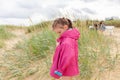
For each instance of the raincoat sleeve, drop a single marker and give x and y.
(65, 57)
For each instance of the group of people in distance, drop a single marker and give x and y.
(99, 26)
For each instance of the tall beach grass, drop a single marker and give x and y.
(33, 56)
(4, 35)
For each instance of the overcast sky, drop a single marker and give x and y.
(18, 12)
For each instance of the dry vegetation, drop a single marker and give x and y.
(33, 47)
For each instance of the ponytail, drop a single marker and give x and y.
(70, 23)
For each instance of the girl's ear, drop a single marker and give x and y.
(65, 27)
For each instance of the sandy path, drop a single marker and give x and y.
(115, 50)
(115, 75)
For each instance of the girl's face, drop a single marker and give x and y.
(59, 29)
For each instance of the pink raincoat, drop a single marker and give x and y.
(65, 59)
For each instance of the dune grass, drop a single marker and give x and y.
(115, 23)
(39, 44)
(33, 56)
(1, 43)
(94, 54)
(4, 35)
(38, 27)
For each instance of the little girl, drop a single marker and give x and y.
(65, 60)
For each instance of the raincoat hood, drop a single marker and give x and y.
(71, 33)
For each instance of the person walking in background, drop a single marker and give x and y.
(96, 26)
(102, 26)
(65, 60)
